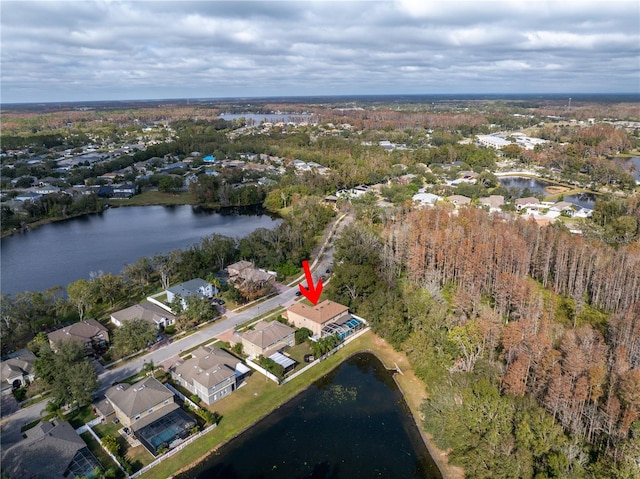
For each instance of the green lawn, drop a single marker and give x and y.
(259, 397)
(138, 456)
(106, 429)
(81, 416)
(148, 198)
(297, 353)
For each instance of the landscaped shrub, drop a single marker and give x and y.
(302, 334)
(270, 365)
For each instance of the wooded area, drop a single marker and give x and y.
(528, 338)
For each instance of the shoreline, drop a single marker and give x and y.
(384, 353)
(45, 221)
(109, 205)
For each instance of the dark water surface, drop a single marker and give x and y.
(353, 423)
(63, 252)
(535, 185)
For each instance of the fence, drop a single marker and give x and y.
(325, 356)
(112, 456)
(172, 452)
(89, 425)
(262, 370)
(182, 396)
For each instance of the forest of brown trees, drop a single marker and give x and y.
(510, 324)
(589, 383)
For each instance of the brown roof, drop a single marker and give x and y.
(82, 331)
(148, 311)
(265, 334)
(320, 313)
(137, 398)
(240, 265)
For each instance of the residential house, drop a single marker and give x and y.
(459, 200)
(124, 191)
(267, 338)
(49, 452)
(210, 373)
(244, 272)
(494, 202)
(236, 268)
(133, 402)
(426, 199)
(109, 177)
(149, 410)
(17, 370)
(195, 287)
(528, 202)
(90, 333)
(560, 207)
(28, 196)
(46, 189)
(315, 318)
(159, 317)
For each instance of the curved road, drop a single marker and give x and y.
(10, 425)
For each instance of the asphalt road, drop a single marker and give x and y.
(10, 425)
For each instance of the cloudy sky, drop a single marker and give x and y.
(109, 50)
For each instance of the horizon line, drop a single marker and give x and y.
(308, 96)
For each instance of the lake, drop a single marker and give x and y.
(62, 252)
(352, 423)
(535, 185)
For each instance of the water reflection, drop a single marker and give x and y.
(353, 423)
(62, 252)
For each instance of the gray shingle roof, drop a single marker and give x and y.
(45, 456)
(139, 397)
(207, 366)
(148, 311)
(19, 365)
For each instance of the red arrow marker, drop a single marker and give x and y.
(312, 293)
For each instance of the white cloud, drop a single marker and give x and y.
(55, 51)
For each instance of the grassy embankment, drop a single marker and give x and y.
(260, 396)
(155, 198)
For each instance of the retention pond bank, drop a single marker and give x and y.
(353, 422)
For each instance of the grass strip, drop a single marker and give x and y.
(248, 405)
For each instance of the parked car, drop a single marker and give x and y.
(328, 271)
(298, 293)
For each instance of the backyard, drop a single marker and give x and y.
(247, 405)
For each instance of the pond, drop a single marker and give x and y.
(535, 185)
(352, 423)
(62, 252)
